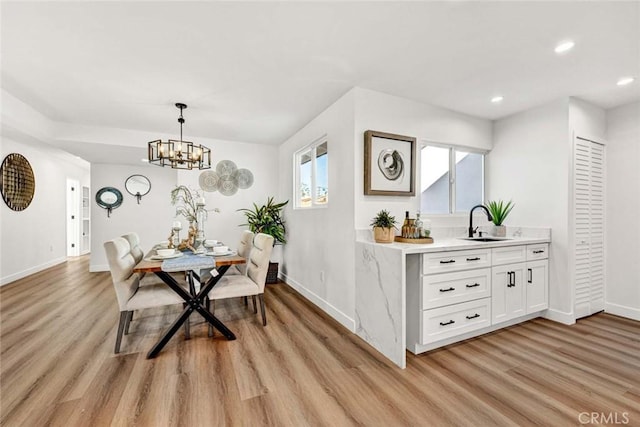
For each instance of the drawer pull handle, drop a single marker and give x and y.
(473, 317)
(448, 290)
(473, 286)
(530, 271)
(450, 322)
(474, 259)
(448, 262)
(540, 251)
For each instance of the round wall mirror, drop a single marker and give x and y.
(109, 198)
(138, 186)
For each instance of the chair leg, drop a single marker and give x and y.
(124, 315)
(264, 313)
(255, 306)
(128, 322)
(246, 301)
(212, 311)
(187, 331)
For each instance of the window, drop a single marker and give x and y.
(452, 180)
(312, 177)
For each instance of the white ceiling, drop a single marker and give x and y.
(259, 71)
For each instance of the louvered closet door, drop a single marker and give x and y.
(588, 230)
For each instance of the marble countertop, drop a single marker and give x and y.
(457, 244)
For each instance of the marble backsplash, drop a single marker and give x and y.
(366, 235)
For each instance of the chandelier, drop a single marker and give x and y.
(179, 154)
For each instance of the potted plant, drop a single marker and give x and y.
(268, 219)
(499, 211)
(383, 225)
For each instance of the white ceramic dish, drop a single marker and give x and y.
(165, 252)
(159, 257)
(221, 253)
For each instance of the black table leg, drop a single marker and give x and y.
(194, 303)
(184, 316)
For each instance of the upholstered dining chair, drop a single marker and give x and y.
(127, 286)
(251, 284)
(244, 248)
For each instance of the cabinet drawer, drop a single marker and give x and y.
(442, 262)
(451, 288)
(540, 251)
(509, 254)
(446, 322)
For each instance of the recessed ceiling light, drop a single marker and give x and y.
(625, 81)
(565, 46)
(497, 99)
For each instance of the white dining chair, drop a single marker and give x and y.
(127, 286)
(244, 248)
(251, 284)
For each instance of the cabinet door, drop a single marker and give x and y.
(508, 294)
(537, 286)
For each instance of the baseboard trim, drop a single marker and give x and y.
(325, 306)
(622, 311)
(560, 316)
(95, 268)
(21, 274)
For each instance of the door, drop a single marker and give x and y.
(73, 220)
(588, 226)
(508, 293)
(537, 288)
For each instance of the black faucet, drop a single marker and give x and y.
(471, 217)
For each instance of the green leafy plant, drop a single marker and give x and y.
(499, 210)
(186, 200)
(384, 219)
(267, 219)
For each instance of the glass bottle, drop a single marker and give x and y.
(405, 226)
(419, 228)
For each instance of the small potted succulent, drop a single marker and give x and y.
(383, 227)
(499, 211)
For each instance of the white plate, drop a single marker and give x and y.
(159, 257)
(221, 254)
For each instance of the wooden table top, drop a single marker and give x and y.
(153, 266)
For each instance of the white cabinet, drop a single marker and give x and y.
(521, 288)
(588, 227)
(508, 294)
(454, 295)
(537, 285)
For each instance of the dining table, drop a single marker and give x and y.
(194, 301)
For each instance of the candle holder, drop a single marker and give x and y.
(177, 226)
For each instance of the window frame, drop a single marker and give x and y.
(452, 172)
(310, 148)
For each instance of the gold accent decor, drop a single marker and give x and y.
(17, 182)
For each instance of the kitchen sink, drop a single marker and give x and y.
(485, 239)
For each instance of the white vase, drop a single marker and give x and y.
(499, 231)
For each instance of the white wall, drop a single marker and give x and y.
(327, 236)
(39, 231)
(151, 219)
(42, 226)
(387, 113)
(622, 207)
(322, 240)
(529, 164)
(262, 161)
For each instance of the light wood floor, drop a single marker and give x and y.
(304, 369)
